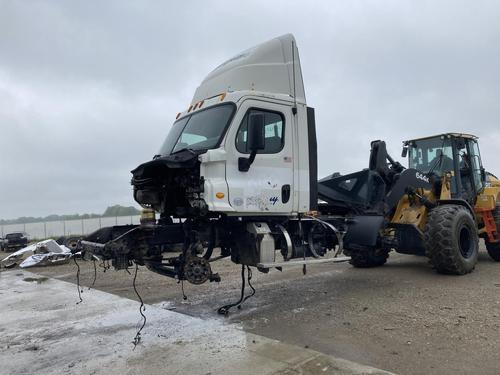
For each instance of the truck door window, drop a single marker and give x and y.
(274, 132)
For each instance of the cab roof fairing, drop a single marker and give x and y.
(268, 68)
(447, 135)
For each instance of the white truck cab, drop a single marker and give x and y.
(267, 81)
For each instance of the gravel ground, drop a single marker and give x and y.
(402, 317)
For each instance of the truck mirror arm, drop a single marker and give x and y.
(256, 140)
(245, 163)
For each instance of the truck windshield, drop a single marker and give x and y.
(200, 131)
(431, 155)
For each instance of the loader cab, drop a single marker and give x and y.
(454, 154)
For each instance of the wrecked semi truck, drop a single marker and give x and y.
(238, 173)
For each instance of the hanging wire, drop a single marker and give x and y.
(104, 266)
(95, 274)
(224, 310)
(142, 308)
(184, 297)
(249, 278)
(78, 280)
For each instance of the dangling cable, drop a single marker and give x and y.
(95, 275)
(224, 310)
(78, 281)
(142, 307)
(104, 266)
(249, 277)
(184, 297)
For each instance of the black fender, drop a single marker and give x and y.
(363, 230)
(409, 178)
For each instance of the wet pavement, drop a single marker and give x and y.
(402, 317)
(44, 331)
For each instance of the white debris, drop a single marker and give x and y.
(44, 253)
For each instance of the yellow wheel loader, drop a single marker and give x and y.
(439, 207)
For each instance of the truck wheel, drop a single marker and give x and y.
(451, 239)
(368, 258)
(493, 248)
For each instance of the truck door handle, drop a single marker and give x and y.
(285, 193)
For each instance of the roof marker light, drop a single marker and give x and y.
(222, 96)
(201, 103)
(178, 114)
(190, 108)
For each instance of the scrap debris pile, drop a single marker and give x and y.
(43, 253)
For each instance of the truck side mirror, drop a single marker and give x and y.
(256, 135)
(256, 140)
(404, 152)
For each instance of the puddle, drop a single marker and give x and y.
(38, 280)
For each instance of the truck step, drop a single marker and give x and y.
(302, 262)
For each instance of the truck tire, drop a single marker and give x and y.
(493, 248)
(368, 258)
(451, 239)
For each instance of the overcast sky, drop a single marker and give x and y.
(89, 89)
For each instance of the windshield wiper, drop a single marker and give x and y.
(183, 149)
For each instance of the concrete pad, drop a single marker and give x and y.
(44, 331)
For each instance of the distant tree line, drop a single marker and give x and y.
(111, 211)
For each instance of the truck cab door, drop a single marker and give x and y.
(268, 184)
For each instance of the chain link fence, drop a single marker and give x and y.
(46, 229)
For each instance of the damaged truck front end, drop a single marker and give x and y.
(171, 187)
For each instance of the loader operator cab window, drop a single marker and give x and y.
(474, 165)
(431, 155)
(274, 125)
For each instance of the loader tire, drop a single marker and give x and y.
(493, 248)
(451, 239)
(368, 258)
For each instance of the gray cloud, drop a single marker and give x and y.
(88, 90)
